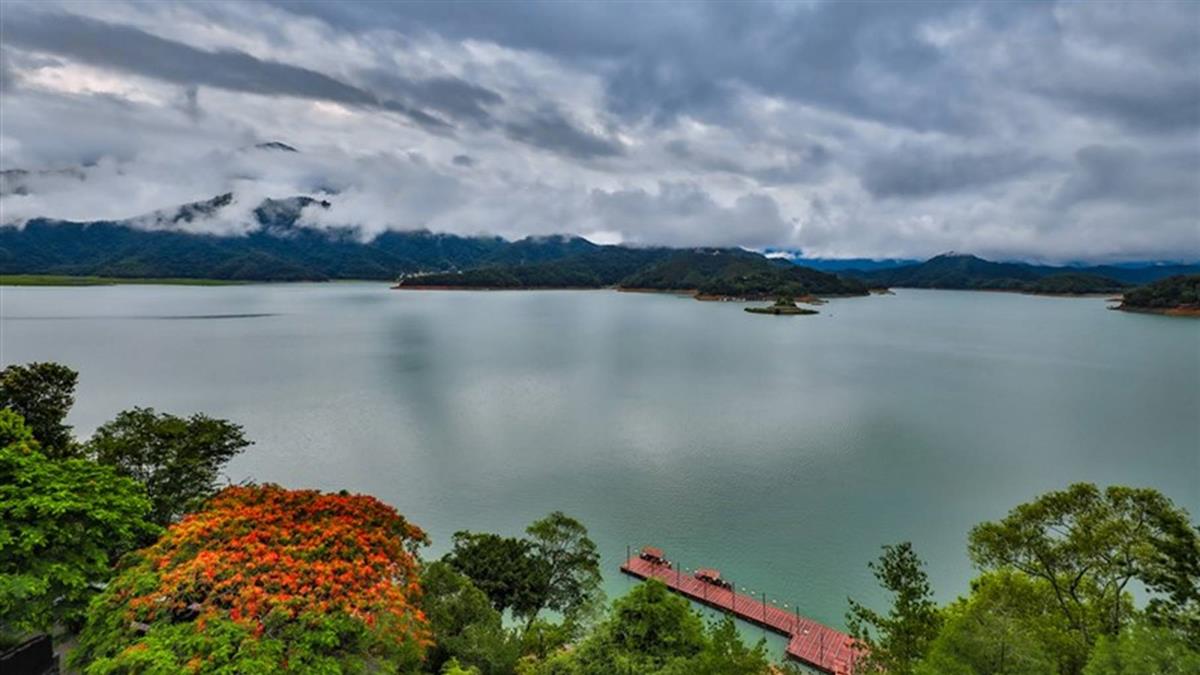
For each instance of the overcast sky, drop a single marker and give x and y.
(1042, 131)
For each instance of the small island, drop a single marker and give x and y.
(784, 306)
(1174, 296)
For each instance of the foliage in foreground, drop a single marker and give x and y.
(1054, 595)
(42, 394)
(266, 580)
(896, 642)
(652, 631)
(556, 568)
(177, 460)
(63, 523)
(466, 628)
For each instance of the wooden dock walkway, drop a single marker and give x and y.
(809, 642)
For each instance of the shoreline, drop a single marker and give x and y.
(71, 281)
(437, 287)
(1186, 312)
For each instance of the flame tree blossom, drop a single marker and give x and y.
(266, 580)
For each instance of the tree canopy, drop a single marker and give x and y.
(556, 568)
(42, 394)
(466, 628)
(652, 631)
(177, 460)
(266, 580)
(897, 641)
(63, 524)
(1089, 544)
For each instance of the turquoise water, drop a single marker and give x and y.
(782, 450)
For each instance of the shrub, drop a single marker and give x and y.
(266, 580)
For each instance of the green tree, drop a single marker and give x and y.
(63, 524)
(897, 641)
(1007, 626)
(1088, 545)
(177, 460)
(42, 393)
(724, 653)
(453, 667)
(652, 631)
(572, 585)
(1143, 649)
(467, 630)
(506, 569)
(13, 430)
(647, 629)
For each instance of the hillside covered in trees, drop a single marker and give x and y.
(968, 272)
(709, 273)
(738, 274)
(275, 246)
(1173, 295)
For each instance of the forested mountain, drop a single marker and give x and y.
(737, 273)
(599, 267)
(275, 248)
(956, 271)
(707, 272)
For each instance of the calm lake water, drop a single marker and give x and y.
(782, 450)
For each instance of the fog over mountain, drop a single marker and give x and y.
(1048, 132)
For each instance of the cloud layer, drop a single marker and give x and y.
(1050, 131)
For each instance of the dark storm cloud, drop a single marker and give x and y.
(129, 49)
(547, 128)
(8, 76)
(667, 58)
(1172, 106)
(1124, 174)
(923, 172)
(450, 96)
(463, 160)
(804, 164)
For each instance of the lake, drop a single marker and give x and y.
(782, 450)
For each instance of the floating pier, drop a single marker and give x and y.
(809, 642)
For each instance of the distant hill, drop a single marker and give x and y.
(837, 265)
(1174, 295)
(740, 274)
(708, 272)
(275, 247)
(278, 246)
(600, 267)
(968, 272)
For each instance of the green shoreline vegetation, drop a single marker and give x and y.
(1173, 296)
(130, 553)
(784, 306)
(67, 280)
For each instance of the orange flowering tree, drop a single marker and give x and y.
(266, 580)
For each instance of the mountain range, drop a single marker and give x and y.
(969, 272)
(278, 246)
